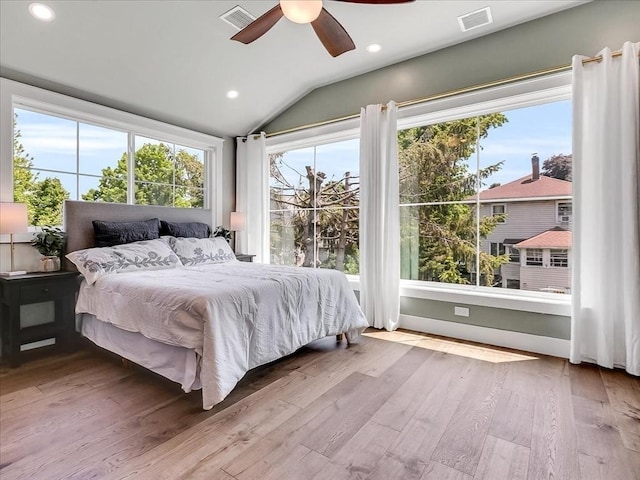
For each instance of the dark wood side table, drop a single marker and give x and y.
(244, 257)
(57, 287)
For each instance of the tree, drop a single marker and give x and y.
(156, 168)
(439, 240)
(558, 166)
(49, 196)
(318, 220)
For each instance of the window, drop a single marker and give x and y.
(512, 283)
(57, 158)
(314, 206)
(534, 257)
(564, 212)
(558, 258)
(457, 176)
(497, 249)
(514, 254)
(499, 210)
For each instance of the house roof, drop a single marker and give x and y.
(526, 188)
(556, 237)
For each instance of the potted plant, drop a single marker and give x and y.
(49, 242)
(220, 231)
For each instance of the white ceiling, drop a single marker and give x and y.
(172, 60)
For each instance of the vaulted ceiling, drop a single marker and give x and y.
(174, 60)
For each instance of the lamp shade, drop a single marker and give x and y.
(13, 217)
(237, 222)
(301, 11)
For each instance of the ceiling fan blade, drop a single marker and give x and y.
(332, 35)
(376, 2)
(259, 26)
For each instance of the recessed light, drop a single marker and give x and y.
(374, 47)
(232, 94)
(42, 12)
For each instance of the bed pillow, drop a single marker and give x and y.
(109, 234)
(188, 229)
(95, 263)
(198, 251)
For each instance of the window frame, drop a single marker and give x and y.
(549, 88)
(17, 95)
(561, 257)
(494, 214)
(558, 216)
(538, 260)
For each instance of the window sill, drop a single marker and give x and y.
(522, 300)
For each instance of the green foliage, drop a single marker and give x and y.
(558, 166)
(49, 241)
(433, 163)
(155, 166)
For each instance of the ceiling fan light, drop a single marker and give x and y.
(301, 11)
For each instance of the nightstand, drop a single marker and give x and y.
(244, 257)
(56, 291)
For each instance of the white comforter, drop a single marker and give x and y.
(235, 315)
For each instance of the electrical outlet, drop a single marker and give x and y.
(461, 311)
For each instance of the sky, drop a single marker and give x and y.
(51, 142)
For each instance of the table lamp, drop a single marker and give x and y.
(13, 219)
(236, 224)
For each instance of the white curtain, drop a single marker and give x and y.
(379, 216)
(252, 170)
(606, 151)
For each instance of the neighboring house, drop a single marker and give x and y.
(538, 212)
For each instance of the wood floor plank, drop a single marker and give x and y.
(623, 392)
(400, 407)
(586, 382)
(598, 437)
(391, 467)
(329, 436)
(438, 471)
(361, 455)
(554, 452)
(503, 459)
(461, 444)
(418, 440)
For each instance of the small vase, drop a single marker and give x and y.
(50, 264)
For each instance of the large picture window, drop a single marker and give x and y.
(478, 194)
(57, 158)
(314, 206)
(460, 181)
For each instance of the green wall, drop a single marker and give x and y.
(554, 326)
(537, 45)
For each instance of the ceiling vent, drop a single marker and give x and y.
(476, 19)
(237, 17)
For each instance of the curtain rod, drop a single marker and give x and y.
(450, 93)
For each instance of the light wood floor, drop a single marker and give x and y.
(398, 406)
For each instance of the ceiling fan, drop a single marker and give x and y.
(332, 35)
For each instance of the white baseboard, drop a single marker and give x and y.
(503, 338)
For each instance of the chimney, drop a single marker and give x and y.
(535, 167)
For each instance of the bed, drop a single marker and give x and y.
(200, 323)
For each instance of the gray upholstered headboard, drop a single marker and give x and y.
(78, 216)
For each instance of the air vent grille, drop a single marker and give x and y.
(237, 17)
(475, 19)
